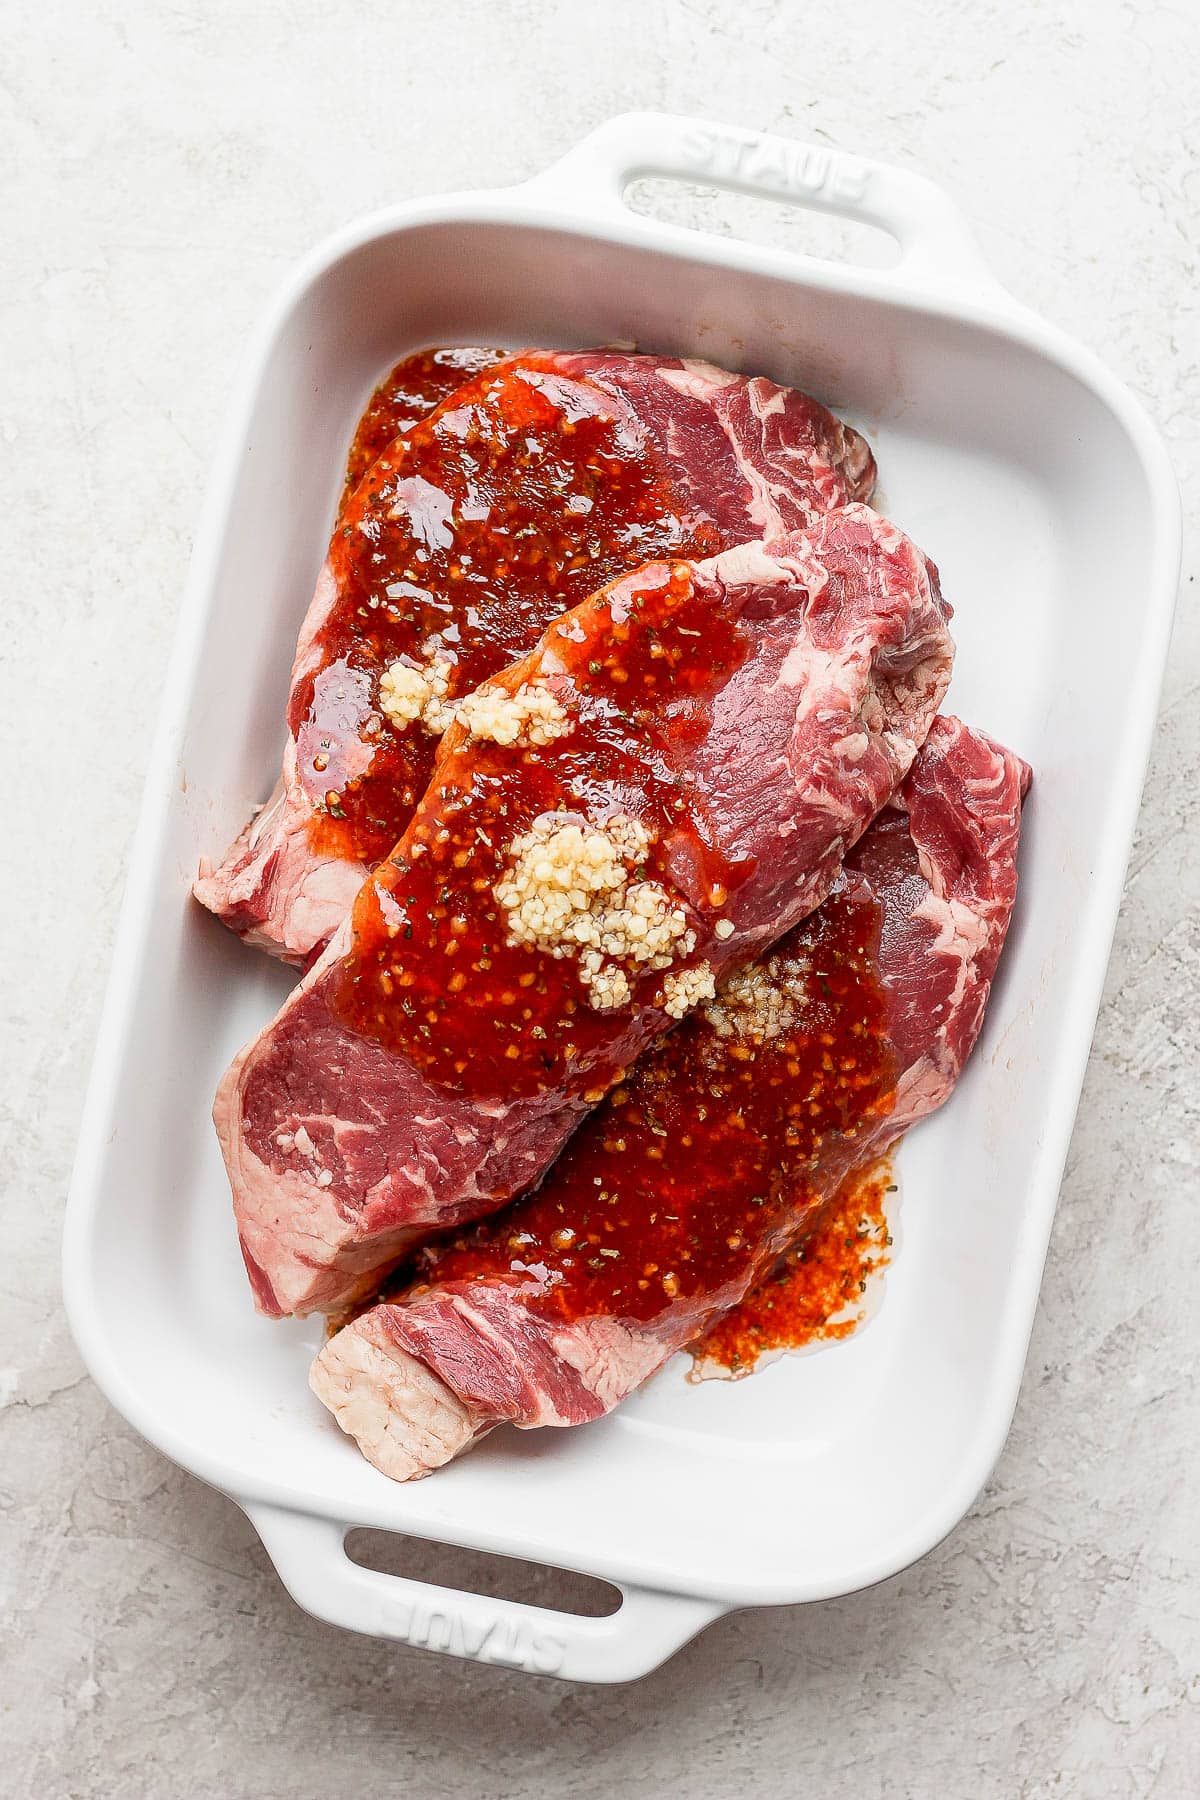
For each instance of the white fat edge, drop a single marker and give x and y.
(748, 563)
(763, 508)
(808, 571)
(308, 650)
(697, 379)
(903, 753)
(806, 666)
(886, 532)
(266, 816)
(774, 403)
(853, 747)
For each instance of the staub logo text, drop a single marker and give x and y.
(771, 162)
(494, 1639)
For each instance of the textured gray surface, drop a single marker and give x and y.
(161, 166)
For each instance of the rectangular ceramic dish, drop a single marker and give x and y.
(1038, 486)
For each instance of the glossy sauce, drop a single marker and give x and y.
(712, 1150)
(505, 507)
(817, 1291)
(407, 395)
(682, 1189)
(431, 974)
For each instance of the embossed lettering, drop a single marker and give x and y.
(768, 163)
(492, 1640)
(506, 1645)
(849, 179)
(698, 144)
(547, 1653)
(475, 1637)
(773, 163)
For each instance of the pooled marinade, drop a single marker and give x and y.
(817, 1291)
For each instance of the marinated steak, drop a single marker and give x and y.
(665, 785)
(718, 1151)
(536, 482)
(408, 394)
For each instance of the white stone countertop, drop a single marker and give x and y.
(161, 166)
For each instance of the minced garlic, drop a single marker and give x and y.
(754, 1003)
(530, 716)
(608, 987)
(569, 893)
(687, 988)
(407, 692)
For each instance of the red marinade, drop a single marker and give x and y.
(815, 1293)
(408, 394)
(694, 1173)
(549, 503)
(432, 973)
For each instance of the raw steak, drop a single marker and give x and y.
(258, 872)
(682, 1189)
(699, 745)
(533, 485)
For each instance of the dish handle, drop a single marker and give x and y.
(309, 1555)
(937, 245)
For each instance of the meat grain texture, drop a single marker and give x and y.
(417, 1380)
(341, 1148)
(600, 461)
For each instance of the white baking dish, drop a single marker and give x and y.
(1037, 484)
